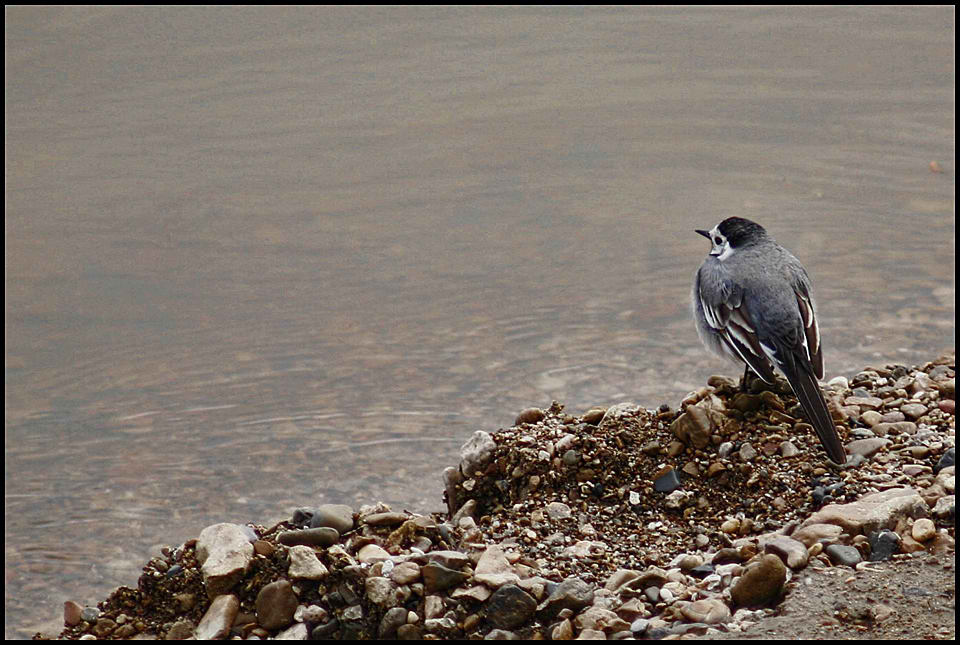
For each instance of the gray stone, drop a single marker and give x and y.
(323, 536)
(573, 594)
(840, 554)
(476, 453)
(276, 604)
(437, 577)
(225, 555)
(510, 607)
(392, 621)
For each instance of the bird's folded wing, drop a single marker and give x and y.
(730, 318)
(811, 329)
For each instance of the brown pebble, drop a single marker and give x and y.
(71, 613)
(935, 167)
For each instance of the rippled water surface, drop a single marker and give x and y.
(264, 258)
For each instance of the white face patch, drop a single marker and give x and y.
(721, 248)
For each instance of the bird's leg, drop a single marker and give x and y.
(745, 382)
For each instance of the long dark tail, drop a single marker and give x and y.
(808, 391)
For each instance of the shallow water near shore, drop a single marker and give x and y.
(258, 259)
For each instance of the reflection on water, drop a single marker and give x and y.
(259, 259)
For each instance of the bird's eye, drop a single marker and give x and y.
(718, 241)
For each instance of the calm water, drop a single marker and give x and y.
(263, 258)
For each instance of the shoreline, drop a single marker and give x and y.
(616, 523)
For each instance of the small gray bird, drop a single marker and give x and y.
(752, 303)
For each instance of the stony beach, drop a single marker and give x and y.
(719, 517)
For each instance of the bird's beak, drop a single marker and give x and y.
(706, 234)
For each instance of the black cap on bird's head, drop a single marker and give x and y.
(738, 231)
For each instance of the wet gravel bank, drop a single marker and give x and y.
(609, 523)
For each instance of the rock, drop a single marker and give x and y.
(761, 582)
(693, 427)
(385, 519)
(666, 480)
(305, 564)
(872, 512)
(450, 559)
(437, 577)
(372, 553)
(600, 619)
(558, 511)
(335, 516)
(391, 622)
(225, 555)
(530, 415)
(510, 607)
(883, 544)
(562, 631)
(620, 411)
(923, 530)
(814, 533)
(296, 633)
(594, 416)
(218, 619)
(276, 604)
(840, 554)
(72, 612)
(948, 405)
(572, 593)
(323, 536)
(791, 551)
(90, 614)
(711, 611)
(620, 578)
(501, 635)
(382, 592)
(181, 630)
(867, 448)
(494, 570)
(405, 573)
(476, 453)
(913, 410)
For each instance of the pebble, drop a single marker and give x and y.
(225, 554)
(666, 480)
(842, 555)
(530, 415)
(437, 577)
(883, 544)
(304, 564)
(476, 453)
(72, 613)
(276, 604)
(219, 617)
(90, 614)
(923, 529)
(761, 582)
(711, 611)
(510, 607)
(323, 536)
(913, 410)
(573, 594)
(372, 553)
(335, 516)
(791, 551)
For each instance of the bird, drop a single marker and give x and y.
(753, 304)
